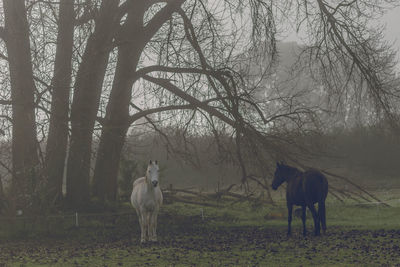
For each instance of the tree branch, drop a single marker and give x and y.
(2, 33)
(218, 74)
(124, 7)
(3, 57)
(146, 70)
(5, 102)
(356, 186)
(7, 118)
(191, 36)
(369, 74)
(89, 14)
(161, 17)
(143, 113)
(165, 83)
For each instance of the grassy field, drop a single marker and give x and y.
(243, 234)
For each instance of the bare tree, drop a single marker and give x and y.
(183, 59)
(25, 159)
(87, 91)
(56, 147)
(177, 36)
(131, 39)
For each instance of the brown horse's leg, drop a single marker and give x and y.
(315, 217)
(290, 208)
(322, 215)
(303, 218)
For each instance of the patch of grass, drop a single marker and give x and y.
(227, 235)
(365, 216)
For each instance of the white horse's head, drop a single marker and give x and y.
(152, 173)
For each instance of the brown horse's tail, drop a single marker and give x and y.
(322, 214)
(321, 204)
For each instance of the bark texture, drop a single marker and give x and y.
(116, 122)
(25, 158)
(56, 148)
(87, 91)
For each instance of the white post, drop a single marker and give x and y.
(202, 214)
(76, 219)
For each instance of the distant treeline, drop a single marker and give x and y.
(364, 152)
(369, 153)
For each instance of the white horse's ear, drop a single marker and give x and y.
(156, 162)
(150, 162)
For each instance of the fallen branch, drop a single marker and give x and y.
(263, 186)
(356, 186)
(187, 201)
(186, 191)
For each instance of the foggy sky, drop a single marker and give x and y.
(392, 21)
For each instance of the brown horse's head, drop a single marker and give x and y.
(279, 176)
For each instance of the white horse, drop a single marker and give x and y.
(147, 198)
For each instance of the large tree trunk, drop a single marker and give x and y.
(116, 122)
(134, 37)
(25, 158)
(58, 129)
(85, 103)
(114, 127)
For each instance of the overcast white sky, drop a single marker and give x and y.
(392, 20)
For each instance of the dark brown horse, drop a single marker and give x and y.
(303, 189)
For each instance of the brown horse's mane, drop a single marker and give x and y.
(293, 171)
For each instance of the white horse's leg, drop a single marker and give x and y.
(149, 225)
(143, 226)
(154, 226)
(139, 214)
(151, 228)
